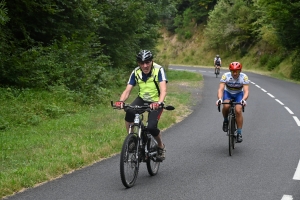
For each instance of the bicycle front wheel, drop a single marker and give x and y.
(233, 129)
(129, 164)
(152, 165)
(230, 136)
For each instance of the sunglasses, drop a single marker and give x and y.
(237, 71)
(145, 62)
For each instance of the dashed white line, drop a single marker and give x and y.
(279, 101)
(270, 95)
(297, 120)
(263, 90)
(297, 173)
(291, 112)
(287, 197)
(257, 86)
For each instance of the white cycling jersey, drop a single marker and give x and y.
(232, 85)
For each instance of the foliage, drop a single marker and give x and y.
(282, 18)
(74, 43)
(273, 62)
(3, 13)
(230, 25)
(295, 74)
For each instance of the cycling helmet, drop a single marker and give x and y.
(235, 66)
(217, 56)
(144, 55)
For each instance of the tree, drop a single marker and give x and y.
(230, 25)
(283, 17)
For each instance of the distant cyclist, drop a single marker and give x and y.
(234, 85)
(152, 81)
(217, 63)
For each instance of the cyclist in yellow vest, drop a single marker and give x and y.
(152, 82)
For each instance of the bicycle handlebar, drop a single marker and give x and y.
(232, 103)
(144, 108)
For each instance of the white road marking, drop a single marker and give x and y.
(257, 86)
(264, 90)
(298, 123)
(297, 173)
(279, 101)
(270, 95)
(287, 197)
(291, 112)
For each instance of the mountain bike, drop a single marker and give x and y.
(231, 131)
(138, 146)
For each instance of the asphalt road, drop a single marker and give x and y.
(265, 166)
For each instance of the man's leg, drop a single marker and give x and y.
(153, 118)
(159, 141)
(225, 111)
(239, 122)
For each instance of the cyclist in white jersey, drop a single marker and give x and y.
(233, 85)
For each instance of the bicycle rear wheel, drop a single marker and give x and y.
(129, 164)
(217, 72)
(152, 165)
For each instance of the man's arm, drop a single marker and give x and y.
(163, 91)
(246, 91)
(126, 92)
(221, 90)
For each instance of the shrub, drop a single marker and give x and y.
(273, 62)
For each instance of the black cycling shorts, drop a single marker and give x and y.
(153, 116)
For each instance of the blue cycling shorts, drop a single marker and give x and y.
(237, 97)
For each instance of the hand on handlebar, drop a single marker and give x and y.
(243, 102)
(219, 102)
(155, 105)
(119, 104)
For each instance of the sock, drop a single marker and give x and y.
(239, 131)
(225, 119)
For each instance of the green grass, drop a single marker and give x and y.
(46, 134)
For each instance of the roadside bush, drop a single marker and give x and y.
(264, 59)
(295, 74)
(273, 62)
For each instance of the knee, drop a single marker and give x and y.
(129, 117)
(153, 130)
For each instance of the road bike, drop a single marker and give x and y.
(231, 131)
(139, 146)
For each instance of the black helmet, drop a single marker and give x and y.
(144, 55)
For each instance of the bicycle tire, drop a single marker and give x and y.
(152, 164)
(233, 128)
(129, 164)
(217, 72)
(230, 136)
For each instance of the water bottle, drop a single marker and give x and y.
(137, 119)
